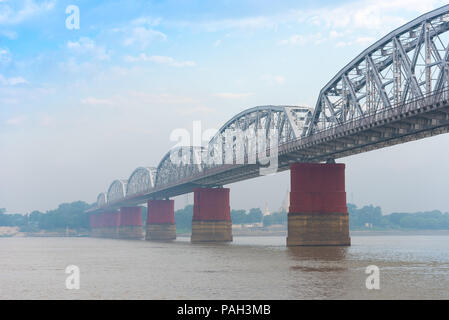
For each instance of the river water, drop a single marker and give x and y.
(410, 267)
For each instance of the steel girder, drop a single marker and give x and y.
(117, 191)
(141, 181)
(358, 110)
(101, 200)
(178, 164)
(409, 63)
(286, 123)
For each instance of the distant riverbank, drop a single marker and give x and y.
(9, 232)
(14, 232)
(283, 233)
(401, 233)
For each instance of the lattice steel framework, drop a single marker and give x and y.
(407, 64)
(141, 180)
(101, 200)
(286, 123)
(117, 191)
(393, 92)
(178, 164)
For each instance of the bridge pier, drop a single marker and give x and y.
(161, 220)
(101, 225)
(130, 223)
(95, 225)
(110, 222)
(318, 215)
(211, 215)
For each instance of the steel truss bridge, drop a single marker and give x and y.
(395, 91)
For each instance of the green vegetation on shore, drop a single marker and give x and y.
(371, 218)
(67, 215)
(72, 216)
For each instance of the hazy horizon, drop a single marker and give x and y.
(81, 108)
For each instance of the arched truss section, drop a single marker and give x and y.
(407, 64)
(179, 163)
(117, 191)
(240, 138)
(141, 180)
(101, 200)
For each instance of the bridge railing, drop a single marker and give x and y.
(376, 116)
(365, 120)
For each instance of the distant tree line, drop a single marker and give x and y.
(71, 215)
(370, 217)
(67, 215)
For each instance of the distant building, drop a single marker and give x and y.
(285, 203)
(248, 225)
(266, 211)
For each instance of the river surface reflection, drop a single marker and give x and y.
(411, 267)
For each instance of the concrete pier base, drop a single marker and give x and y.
(111, 223)
(211, 231)
(211, 215)
(94, 223)
(160, 220)
(130, 223)
(160, 232)
(326, 229)
(131, 232)
(318, 215)
(104, 225)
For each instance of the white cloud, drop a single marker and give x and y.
(341, 44)
(358, 22)
(143, 36)
(86, 45)
(137, 99)
(146, 21)
(294, 39)
(14, 15)
(16, 121)
(16, 80)
(217, 43)
(335, 34)
(160, 60)
(230, 95)
(246, 23)
(273, 79)
(365, 40)
(97, 101)
(300, 40)
(12, 81)
(194, 110)
(5, 56)
(370, 15)
(12, 35)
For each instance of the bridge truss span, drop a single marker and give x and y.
(395, 91)
(117, 191)
(141, 181)
(408, 64)
(249, 135)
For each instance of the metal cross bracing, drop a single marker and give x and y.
(408, 64)
(395, 91)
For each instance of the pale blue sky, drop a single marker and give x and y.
(80, 108)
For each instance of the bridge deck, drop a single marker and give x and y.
(415, 120)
